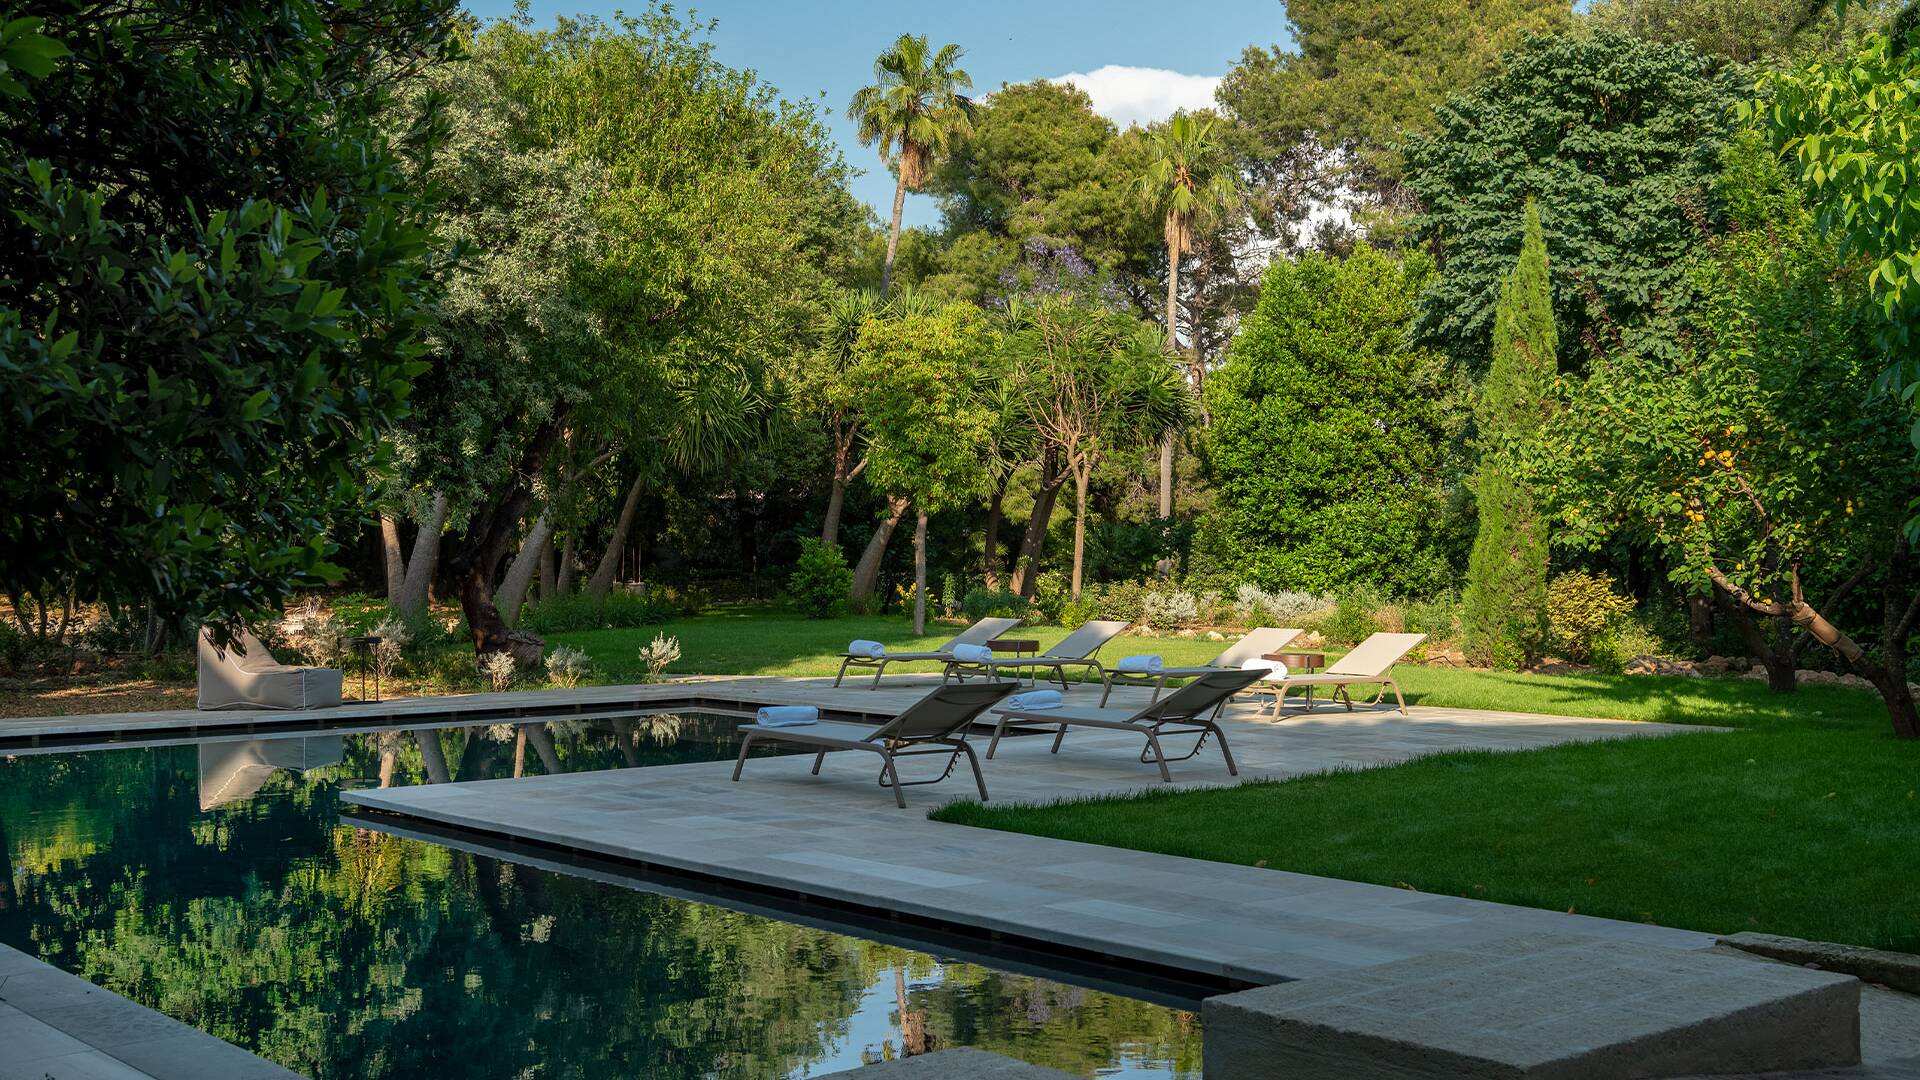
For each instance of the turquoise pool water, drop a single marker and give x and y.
(219, 883)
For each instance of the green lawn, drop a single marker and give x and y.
(1804, 822)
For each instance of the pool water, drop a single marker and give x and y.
(219, 883)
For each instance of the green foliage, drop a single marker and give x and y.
(1735, 31)
(1051, 594)
(1332, 440)
(1076, 613)
(1355, 615)
(1587, 617)
(982, 602)
(1364, 73)
(1124, 600)
(213, 282)
(820, 580)
(1617, 139)
(578, 611)
(924, 429)
(1505, 598)
(1848, 126)
(1762, 450)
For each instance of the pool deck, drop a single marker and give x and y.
(57, 1025)
(838, 837)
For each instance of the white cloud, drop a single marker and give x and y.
(1137, 95)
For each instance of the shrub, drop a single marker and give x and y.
(951, 593)
(1051, 592)
(1125, 600)
(820, 580)
(15, 649)
(1353, 617)
(395, 636)
(1437, 617)
(566, 666)
(1170, 610)
(1076, 613)
(1586, 616)
(498, 667)
(983, 602)
(577, 611)
(655, 655)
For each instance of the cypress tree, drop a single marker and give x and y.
(1506, 596)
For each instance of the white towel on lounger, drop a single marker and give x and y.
(1274, 668)
(872, 650)
(787, 716)
(1035, 700)
(1140, 665)
(972, 654)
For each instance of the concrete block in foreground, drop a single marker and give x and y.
(1539, 1008)
(964, 1063)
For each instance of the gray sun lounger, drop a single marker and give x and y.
(1076, 649)
(936, 724)
(978, 634)
(1194, 709)
(1257, 643)
(244, 675)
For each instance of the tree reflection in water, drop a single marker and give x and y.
(341, 952)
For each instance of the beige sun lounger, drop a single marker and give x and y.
(1194, 709)
(1257, 643)
(936, 724)
(1075, 650)
(1370, 663)
(244, 675)
(978, 634)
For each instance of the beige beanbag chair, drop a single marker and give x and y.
(245, 675)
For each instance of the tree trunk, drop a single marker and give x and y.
(1033, 543)
(1778, 661)
(542, 742)
(602, 581)
(512, 594)
(484, 543)
(1163, 568)
(563, 577)
(1082, 475)
(546, 568)
(990, 548)
(389, 757)
(1700, 618)
(414, 589)
(920, 572)
(432, 756)
(893, 234)
(842, 478)
(395, 561)
(866, 573)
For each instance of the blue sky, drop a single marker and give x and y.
(812, 48)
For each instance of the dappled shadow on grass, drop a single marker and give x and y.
(1731, 702)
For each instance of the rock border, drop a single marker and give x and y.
(1893, 970)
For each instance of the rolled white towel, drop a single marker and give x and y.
(1036, 700)
(872, 650)
(1140, 665)
(1274, 668)
(787, 716)
(972, 654)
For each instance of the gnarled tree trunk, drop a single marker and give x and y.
(414, 588)
(476, 560)
(563, 575)
(1033, 543)
(842, 478)
(396, 562)
(512, 595)
(602, 581)
(866, 573)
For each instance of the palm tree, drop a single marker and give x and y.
(914, 110)
(1190, 179)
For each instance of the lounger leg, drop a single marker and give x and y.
(879, 670)
(1108, 692)
(999, 729)
(1160, 759)
(1396, 696)
(817, 760)
(979, 778)
(1057, 736)
(843, 671)
(893, 775)
(1157, 688)
(746, 744)
(1232, 769)
(1346, 697)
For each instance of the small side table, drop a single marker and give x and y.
(363, 647)
(1019, 647)
(1296, 661)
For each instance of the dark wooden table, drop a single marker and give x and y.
(1019, 647)
(1308, 662)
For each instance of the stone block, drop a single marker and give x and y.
(1551, 1007)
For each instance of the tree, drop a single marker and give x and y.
(1504, 606)
(927, 430)
(822, 384)
(1189, 181)
(1847, 126)
(1734, 31)
(1331, 443)
(1361, 77)
(1617, 139)
(1759, 461)
(1097, 384)
(214, 279)
(913, 111)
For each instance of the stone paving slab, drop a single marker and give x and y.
(963, 1063)
(838, 836)
(57, 1025)
(1546, 1008)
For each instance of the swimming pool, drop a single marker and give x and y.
(218, 882)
